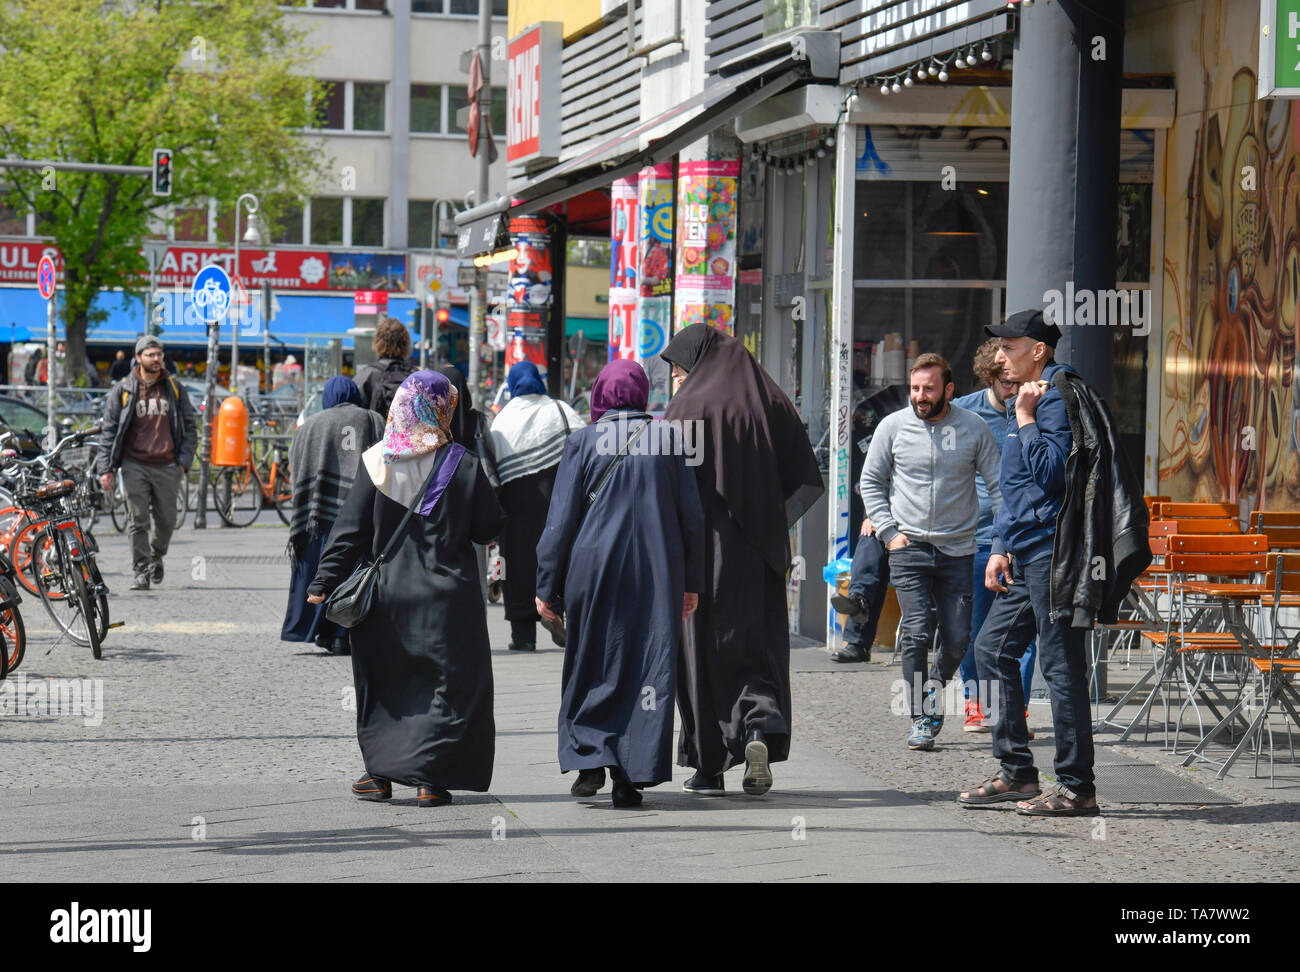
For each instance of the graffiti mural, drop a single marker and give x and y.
(1229, 405)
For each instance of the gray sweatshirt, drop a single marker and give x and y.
(919, 478)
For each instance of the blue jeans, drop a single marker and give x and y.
(1062, 653)
(983, 600)
(868, 578)
(928, 580)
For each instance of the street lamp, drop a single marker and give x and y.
(254, 238)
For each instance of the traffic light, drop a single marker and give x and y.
(162, 172)
(443, 316)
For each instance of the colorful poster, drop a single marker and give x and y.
(655, 188)
(528, 299)
(624, 223)
(706, 243)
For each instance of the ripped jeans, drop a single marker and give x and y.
(929, 584)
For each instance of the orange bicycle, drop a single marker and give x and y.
(240, 492)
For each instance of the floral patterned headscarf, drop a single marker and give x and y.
(419, 425)
(419, 420)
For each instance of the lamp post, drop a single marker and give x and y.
(252, 236)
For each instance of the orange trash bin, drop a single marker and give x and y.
(230, 443)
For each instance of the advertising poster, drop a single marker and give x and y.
(706, 243)
(528, 298)
(624, 223)
(655, 295)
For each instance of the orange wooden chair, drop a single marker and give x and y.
(1283, 529)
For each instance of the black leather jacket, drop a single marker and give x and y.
(1101, 543)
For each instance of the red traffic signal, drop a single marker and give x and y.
(443, 315)
(162, 172)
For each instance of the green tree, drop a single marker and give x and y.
(226, 86)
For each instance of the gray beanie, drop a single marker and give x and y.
(148, 341)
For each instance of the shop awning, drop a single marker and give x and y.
(807, 56)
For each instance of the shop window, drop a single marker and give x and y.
(879, 232)
(419, 224)
(368, 107)
(959, 234)
(426, 108)
(367, 222)
(326, 221)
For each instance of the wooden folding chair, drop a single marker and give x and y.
(1283, 529)
(1277, 677)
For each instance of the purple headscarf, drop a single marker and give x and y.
(419, 424)
(620, 384)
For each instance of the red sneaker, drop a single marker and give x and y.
(975, 721)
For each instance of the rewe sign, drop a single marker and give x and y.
(533, 76)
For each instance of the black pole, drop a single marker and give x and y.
(556, 317)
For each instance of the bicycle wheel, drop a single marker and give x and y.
(182, 500)
(281, 489)
(29, 537)
(66, 591)
(14, 638)
(237, 495)
(117, 506)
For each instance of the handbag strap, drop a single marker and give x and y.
(609, 470)
(419, 498)
(563, 418)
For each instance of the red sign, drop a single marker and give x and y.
(533, 94)
(283, 269)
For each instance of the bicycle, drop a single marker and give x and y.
(240, 492)
(117, 503)
(59, 556)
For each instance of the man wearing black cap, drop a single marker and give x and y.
(150, 434)
(1020, 570)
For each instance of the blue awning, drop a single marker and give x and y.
(300, 315)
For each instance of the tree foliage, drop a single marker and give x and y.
(224, 85)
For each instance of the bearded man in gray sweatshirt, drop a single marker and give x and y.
(918, 484)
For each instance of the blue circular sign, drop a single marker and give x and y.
(45, 277)
(211, 292)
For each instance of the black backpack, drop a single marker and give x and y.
(385, 385)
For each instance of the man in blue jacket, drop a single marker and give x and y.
(1038, 442)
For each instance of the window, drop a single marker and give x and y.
(426, 6)
(330, 114)
(288, 227)
(781, 15)
(326, 221)
(368, 107)
(13, 221)
(419, 224)
(191, 225)
(368, 111)
(460, 99)
(370, 5)
(426, 108)
(367, 222)
(466, 7)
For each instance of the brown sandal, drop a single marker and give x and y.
(1059, 803)
(988, 793)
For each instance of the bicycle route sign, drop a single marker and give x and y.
(211, 293)
(45, 277)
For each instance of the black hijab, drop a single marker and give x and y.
(462, 421)
(757, 455)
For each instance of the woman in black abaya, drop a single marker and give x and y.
(759, 475)
(420, 659)
(628, 571)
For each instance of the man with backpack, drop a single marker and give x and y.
(379, 381)
(150, 434)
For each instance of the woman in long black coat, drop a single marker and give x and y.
(529, 436)
(758, 476)
(420, 659)
(627, 571)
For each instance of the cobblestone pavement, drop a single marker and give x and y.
(225, 754)
(847, 712)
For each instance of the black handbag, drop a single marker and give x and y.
(352, 600)
(559, 633)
